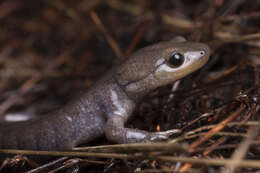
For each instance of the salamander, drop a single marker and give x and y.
(106, 106)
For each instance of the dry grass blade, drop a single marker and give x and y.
(240, 153)
(109, 38)
(241, 38)
(210, 134)
(173, 22)
(216, 129)
(41, 168)
(138, 147)
(212, 162)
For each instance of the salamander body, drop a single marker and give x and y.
(108, 104)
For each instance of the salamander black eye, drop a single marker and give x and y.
(176, 59)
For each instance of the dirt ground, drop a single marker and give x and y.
(51, 50)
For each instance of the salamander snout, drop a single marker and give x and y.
(204, 50)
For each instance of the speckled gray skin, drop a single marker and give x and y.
(107, 105)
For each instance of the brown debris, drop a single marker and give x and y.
(49, 50)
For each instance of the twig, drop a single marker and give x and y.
(173, 22)
(138, 147)
(240, 153)
(231, 124)
(137, 38)
(207, 161)
(241, 38)
(40, 168)
(210, 134)
(109, 38)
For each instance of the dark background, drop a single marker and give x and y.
(50, 50)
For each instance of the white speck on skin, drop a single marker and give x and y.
(16, 117)
(135, 135)
(165, 67)
(193, 55)
(120, 108)
(159, 62)
(69, 118)
(83, 109)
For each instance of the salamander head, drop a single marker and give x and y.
(160, 64)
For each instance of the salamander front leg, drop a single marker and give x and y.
(116, 132)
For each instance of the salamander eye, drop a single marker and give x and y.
(176, 60)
